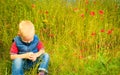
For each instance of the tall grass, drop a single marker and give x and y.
(82, 37)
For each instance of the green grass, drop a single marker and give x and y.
(81, 38)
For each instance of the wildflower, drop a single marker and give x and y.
(92, 13)
(102, 30)
(33, 5)
(109, 32)
(82, 15)
(80, 56)
(93, 34)
(75, 9)
(86, 2)
(46, 12)
(101, 12)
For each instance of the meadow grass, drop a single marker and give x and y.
(82, 37)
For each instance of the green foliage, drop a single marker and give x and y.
(82, 38)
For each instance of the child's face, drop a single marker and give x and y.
(27, 39)
(26, 31)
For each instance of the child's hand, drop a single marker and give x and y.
(33, 57)
(28, 55)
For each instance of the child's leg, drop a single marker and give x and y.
(17, 67)
(44, 63)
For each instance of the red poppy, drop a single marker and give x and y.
(80, 56)
(82, 15)
(75, 9)
(86, 1)
(109, 32)
(46, 12)
(92, 13)
(101, 12)
(93, 34)
(33, 5)
(102, 30)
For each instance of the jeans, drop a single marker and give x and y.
(19, 64)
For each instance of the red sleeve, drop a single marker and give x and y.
(40, 45)
(14, 49)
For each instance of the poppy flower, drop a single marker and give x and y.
(101, 12)
(33, 5)
(86, 2)
(82, 15)
(75, 9)
(92, 13)
(93, 33)
(109, 32)
(80, 57)
(46, 12)
(102, 30)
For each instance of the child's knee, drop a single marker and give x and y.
(46, 56)
(17, 63)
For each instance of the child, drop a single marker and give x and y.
(27, 50)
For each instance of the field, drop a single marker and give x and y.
(82, 37)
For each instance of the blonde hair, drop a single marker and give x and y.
(26, 28)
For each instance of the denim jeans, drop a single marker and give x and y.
(19, 64)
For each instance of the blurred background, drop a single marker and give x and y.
(82, 37)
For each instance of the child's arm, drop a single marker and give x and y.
(35, 55)
(41, 51)
(24, 56)
(14, 53)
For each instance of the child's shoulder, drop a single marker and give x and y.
(36, 37)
